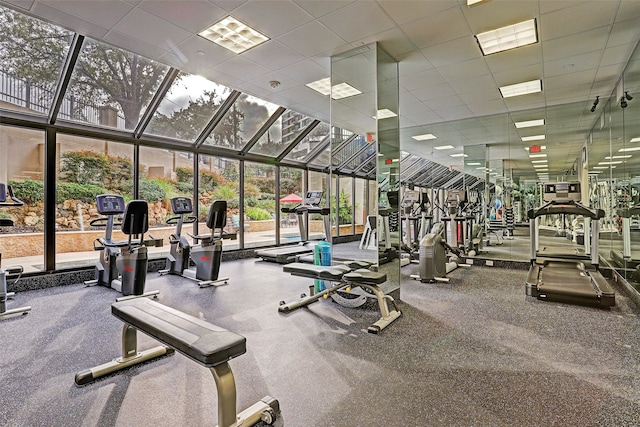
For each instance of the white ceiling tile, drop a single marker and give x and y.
(228, 5)
(392, 41)
(572, 64)
(23, 4)
(311, 39)
(104, 13)
(493, 14)
(464, 70)
(406, 11)
(587, 41)
(357, 21)
(519, 75)
(320, 8)
(265, 16)
(134, 45)
(306, 71)
(273, 55)
(438, 28)
(262, 82)
(69, 21)
(429, 93)
(422, 79)
(191, 15)
(576, 19)
(212, 54)
(452, 52)
(520, 57)
(241, 68)
(144, 26)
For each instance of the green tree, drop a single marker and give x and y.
(104, 75)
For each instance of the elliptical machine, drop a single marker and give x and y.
(122, 264)
(207, 255)
(11, 273)
(433, 262)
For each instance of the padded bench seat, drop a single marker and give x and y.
(365, 276)
(197, 339)
(331, 272)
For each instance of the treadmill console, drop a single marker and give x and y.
(455, 199)
(181, 205)
(110, 204)
(562, 192)
(313, 198)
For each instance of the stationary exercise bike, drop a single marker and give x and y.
(11, 273)
(207, 255)
(122, 264)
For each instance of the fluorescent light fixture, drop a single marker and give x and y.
(424, 137)
(509, 37)
(444, 147)
(539, 161)
(323, 86)
(532, 156)
(339, 91)
(474, 2)
(626, 150)
(233, 35)
(343, 90)
(628, 156)
(481, 168)
(529, 123)
(617, 162)
(604, 167)
(384, 113)
(635, 139)
(523, 88)
(458, 155)
(474, 164)
(540, 166)
(596, 171)
(533, 138)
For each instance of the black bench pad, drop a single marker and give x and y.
(365, 276)
(197, 339)
(331, 272)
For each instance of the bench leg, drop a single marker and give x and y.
(285, 308)
(130, 356)
(265, 410)
(388, 316)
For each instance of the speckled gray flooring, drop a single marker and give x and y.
(471, 352)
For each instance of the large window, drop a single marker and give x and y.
(86, 168)
(218, 180)
(22, 166)
(260, 204)
(290, 195)
(31, 56)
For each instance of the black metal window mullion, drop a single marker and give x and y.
(65, 76)
(155, 101)
(217, 117)
(50, 200)
(297, 140)
(264, 128)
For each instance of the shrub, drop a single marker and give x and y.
(184, 187)
(84, 192)
(210, 180)
(268, 205)
(228, 192)
(84, 166)
(28, 190)
(257, 214)
(149, 190)
(184, 174)
(250, 201)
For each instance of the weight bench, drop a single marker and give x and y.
(344, 279)
(202, 342)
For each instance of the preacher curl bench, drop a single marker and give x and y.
(202, 342)
(344, 279)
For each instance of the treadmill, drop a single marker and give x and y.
(287, 254)
(572, 277)
(626, 258)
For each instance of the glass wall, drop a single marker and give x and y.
(218, 180)
(22, 167)
(259, 204)
(85, 168)
(291, 195)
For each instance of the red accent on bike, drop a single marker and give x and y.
(205, 258)
(128, 268)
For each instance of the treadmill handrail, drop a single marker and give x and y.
(566, 207)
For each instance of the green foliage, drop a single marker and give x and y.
(250, 201)
(28, 190)
(184, 174)
(264, 184)
(184, 187)
(344, 212)
(288, 186)
(119, 173)
(5, 215)
(87, 167)
(73, 191)
(230, 172)
(269, 205)
(228, 192)
(209, 180)
(32, 192)
(251, 190)
(257, 214)
(150, 190)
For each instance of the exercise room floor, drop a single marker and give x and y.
(471, 352)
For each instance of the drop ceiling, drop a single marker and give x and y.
(447, 87)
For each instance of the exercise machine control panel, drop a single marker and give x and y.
(313, 198)
(181, 205)
(110, 204)
(562, 191)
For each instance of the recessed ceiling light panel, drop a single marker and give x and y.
(523, 88)
(626, 150)
(424, 137)
(233, 35)
(509, 37)
(343, 90)
(533, 138)
(532, 156)
(458, 155)
(385, 114)
(323, 86)
(529, 123)
(444, 147)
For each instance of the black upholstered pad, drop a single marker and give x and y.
(356, 264)
(333, 272)
(197, 339)
(365, 276)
